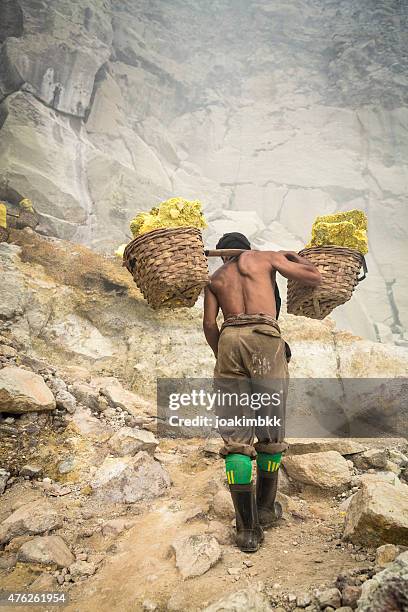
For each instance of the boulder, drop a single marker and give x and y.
(350, 595)
(30, 471)
(388, 477)
(4, 476)
(195, 554)
(82, 568)
(373, 458)
(66, 401)
(119, 397)
(48, 550)
(387, 590)
(129, 441)
(344, 446)
(250, 599)
(385, 554)
(325, 470)
(222, 505)
(130, 479)
(329, 597)
(85, 394)
(30, 519)
(23, 391)
(378, 512)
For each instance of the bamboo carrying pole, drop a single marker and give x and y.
(223, 252)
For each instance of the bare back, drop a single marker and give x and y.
(246, 285)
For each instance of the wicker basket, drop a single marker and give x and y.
(339, 268)
(168, 266)
(4, 234)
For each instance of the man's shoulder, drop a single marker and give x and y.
(257, 256)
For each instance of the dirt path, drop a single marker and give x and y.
(303, 552)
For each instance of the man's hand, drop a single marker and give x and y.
(210, 327)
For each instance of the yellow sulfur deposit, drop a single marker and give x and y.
(120, 250)
(347, 229)
(175, 212)
(3, 215)
(27, 205)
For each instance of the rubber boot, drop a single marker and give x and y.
(249, 532)
(269, 510)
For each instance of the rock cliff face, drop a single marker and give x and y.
(270, 112)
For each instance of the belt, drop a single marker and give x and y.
(250, 319)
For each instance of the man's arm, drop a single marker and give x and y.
(294, 267)
(210, 327)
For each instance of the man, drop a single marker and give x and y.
(252, 356)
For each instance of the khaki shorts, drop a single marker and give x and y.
(252, 358)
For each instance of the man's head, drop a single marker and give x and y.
(233, 240)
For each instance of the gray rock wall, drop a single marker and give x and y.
(270, 112)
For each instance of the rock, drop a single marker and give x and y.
(195, 554)
(223, 533)
(8, 560)
(7, 351)
(116, 526)
(329, 597)
(149, 606)
(4, 476)
(89, 426)
(350, 595)
(303, 600)
(222, 505)
(48, 550)
(374, 458)
(344, 609)
(390, 466)
(196, 513)
(377, 513)
(345, 504)
(56, 384)
(32, 471)
(23, 391)
(66, 401)
(211, 448)
(118, 397)
(325, 470)
(129, 441)
(130, 479)
(86, 394)
(367, 478)
(397, 457)
(250, 599)
(387, 590)
(67, 465)
(81, 568)
(386, 554)
(344, 446)
(30, 519)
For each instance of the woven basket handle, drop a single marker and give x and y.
(223, 252)
(365, 271)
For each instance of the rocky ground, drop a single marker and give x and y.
(94, 504)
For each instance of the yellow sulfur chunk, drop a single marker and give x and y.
(175, 212)
(27, 205)
(3, 215)
(346, 229)
(120, 250)
(357, 217)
